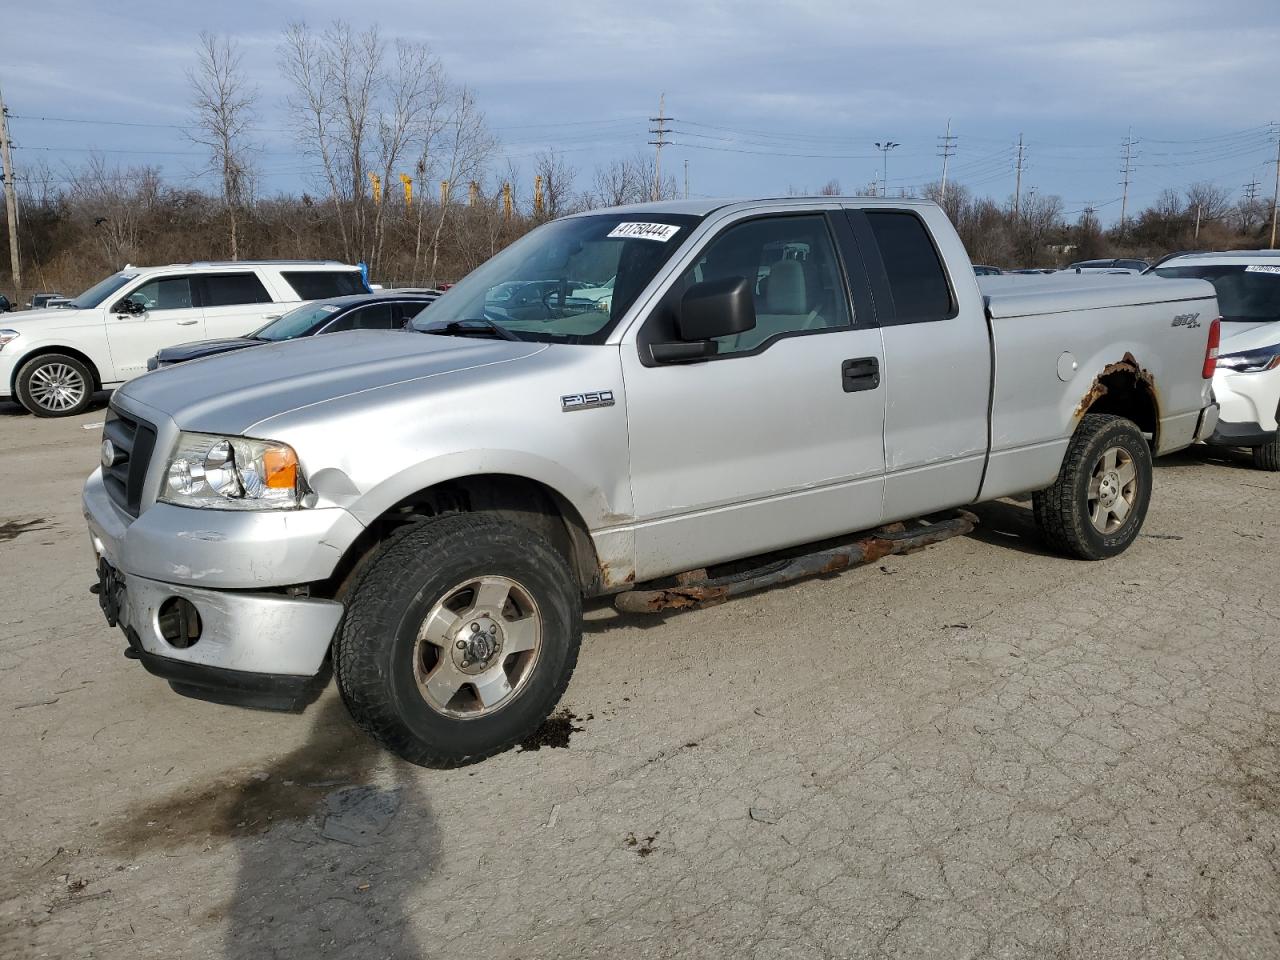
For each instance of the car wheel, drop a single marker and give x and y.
(1267, 456)
(1097, 505)
(459, 639)
(55, 385)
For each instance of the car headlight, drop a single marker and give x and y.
(1251, 361)
(8, 335)
(232, 473)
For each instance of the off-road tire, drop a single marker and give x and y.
(1267, 456)
(1062, 512)
(53, 360)
(373, 655)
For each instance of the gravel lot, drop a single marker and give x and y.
(979, 750)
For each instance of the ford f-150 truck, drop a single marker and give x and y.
(423, 512)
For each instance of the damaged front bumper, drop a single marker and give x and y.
(216, 622)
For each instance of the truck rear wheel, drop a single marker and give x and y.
(459, 639)
(1095, 508)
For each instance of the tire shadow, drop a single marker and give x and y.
(1009, 524)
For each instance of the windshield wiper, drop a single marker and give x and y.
(486, 328)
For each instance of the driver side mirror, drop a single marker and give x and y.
(710, 309)
(127, 307)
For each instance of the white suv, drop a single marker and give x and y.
(52, 361)
(1247, 382)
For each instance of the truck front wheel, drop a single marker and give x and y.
(1095, 508)
(459, 639)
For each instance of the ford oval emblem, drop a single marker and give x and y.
(108, 453)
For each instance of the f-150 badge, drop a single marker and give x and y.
(586, 401)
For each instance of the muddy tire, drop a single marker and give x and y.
(459, 639)
(1096, 507)
(1267, 456)
(55, 385)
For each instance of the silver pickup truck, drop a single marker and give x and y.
(670, 403)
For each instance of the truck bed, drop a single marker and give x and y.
(1020, 296)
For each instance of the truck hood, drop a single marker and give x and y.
(231, 392)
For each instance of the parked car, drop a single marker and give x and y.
(427, 513)
(5, 305)
(1119, 265)
(39, 301)
(1026, 271)
(982, 270)
(52, 361)
(383, 310)
(1247, 382)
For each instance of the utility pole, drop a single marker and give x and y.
(1127, 172)
(1275, 200)
(660, 131)
(10, 197)
(1197, 234)
(1251, 191)
(686, 178)
(1017, 183)
(884, 147)
(947, 149)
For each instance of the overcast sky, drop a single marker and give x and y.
(766, 96)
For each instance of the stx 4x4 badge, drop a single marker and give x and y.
(1189, 320)
(586, 401)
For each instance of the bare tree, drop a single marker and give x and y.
(223, 101)
(630, 180)
(467, 147)
(831, 188)
(114, 203)
(558, 177)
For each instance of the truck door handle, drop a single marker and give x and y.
(186, 323)
(862, 373)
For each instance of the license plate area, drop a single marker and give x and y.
(110, 589)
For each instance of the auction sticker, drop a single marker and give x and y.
(661, 232)
(1262, 268)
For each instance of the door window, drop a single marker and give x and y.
(376, 316)
(325, 284)
(917, 279)
(234, 289)
(164, 293)
(790, 263)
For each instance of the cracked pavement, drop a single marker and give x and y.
(978, 750)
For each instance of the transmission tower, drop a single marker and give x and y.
(1126, 171)
(946, 150)
(659, 131)
(1017, 183)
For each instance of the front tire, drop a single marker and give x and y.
(459, 639)
(1096, 507)
(55, 385)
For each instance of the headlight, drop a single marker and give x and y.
(1251, 361)
(232, 473)
(7, 335)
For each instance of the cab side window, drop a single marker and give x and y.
(790, 262)
(164, 293)
(917, 280)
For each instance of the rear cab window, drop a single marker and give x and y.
(324, 284)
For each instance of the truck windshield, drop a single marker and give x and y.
(1244, 292)
(568, 281)
(101, 290)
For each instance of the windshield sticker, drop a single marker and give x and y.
(1262, 268)
(662, 232)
